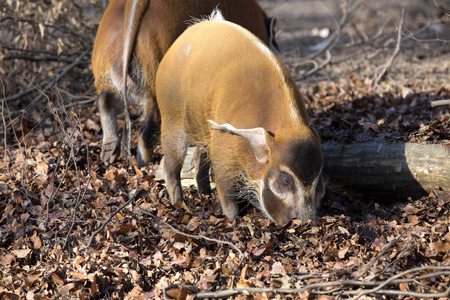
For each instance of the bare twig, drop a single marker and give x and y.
(445, 293)
(4, 123)
(9, 47)
(36, 58)
(81, 193)
(392, 279)
(53, 191)
(382, 252)
(442, 7)
(317, 67)
(86, 97)
(80, 197)
(4, 131)
(87, 101)
(394, 54)
(51, 84)
(193, 236)
(331, 41)
(108, 220)
(400, 256)
(344, 283)
(20, 94)
(440, 103)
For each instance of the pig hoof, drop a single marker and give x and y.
(204, 190)
(143, 157)
(110, 152)
(140, 161)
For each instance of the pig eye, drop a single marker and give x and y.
(284, 183)
(286, 179)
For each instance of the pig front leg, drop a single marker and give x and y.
(227, 193)
(109, 105)
(226, 186)
(174, 146)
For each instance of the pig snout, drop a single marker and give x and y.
(285, 197)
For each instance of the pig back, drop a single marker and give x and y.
(165, 20)
(218, 71)
(162, 22)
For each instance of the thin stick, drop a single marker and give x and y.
(446, 293)
(4, 123)
(88, 169)
(442, 7)
(107, 221)
(388, 64)
(52, 83)
(53, 192)
(317, 67)
(36, 58)
(440, 103)
(330, 42)
(4, 131)
(20, 94)
(193, 236)
(381, 253)
(311, 287)
(390, 280)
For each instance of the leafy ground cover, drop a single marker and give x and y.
(70, 227)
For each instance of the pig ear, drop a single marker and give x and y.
(256, 137)
(270, 25)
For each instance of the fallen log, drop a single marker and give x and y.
(381, 169)
(374, 169)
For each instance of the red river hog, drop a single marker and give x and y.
(132, 38)
(220, 88)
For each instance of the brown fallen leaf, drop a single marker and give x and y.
(278, 268)
(77, 275)
(56, 279)
(242, 284)
(125, 228)
(10, 296)
(67, 289)
(21, 253)
(41, 168)
(7, 259)
(178, 293)
(36, 240)
(93, 289)
(244, 272)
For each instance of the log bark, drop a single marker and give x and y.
(381, 169)
(375, 169)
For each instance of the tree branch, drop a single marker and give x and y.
(345, 283)
(394, 54)
(330, 42)
(52, 83)
(193, 236)
(440, 103)
(131, 199)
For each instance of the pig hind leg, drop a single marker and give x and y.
(202, 166)
(174, 146)
(149, 134)
(109, 106)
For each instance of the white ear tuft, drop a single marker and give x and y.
(256, 137)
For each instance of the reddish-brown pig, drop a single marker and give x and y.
(132, 38)
(220, 88)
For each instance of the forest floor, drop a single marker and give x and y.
(71, 227)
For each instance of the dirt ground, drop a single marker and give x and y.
(57, 197)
